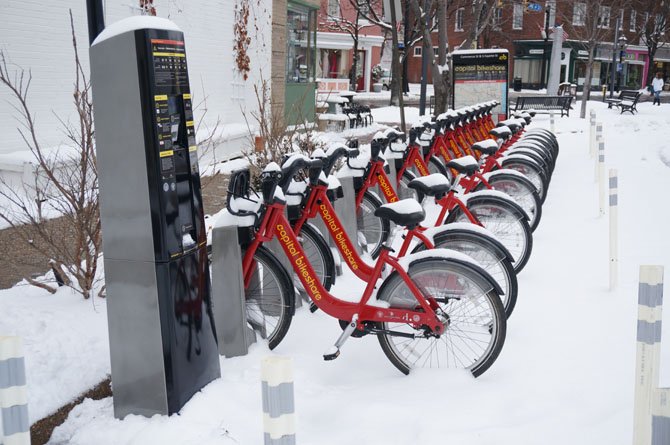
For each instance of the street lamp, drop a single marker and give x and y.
(614, 51)
(622, 41)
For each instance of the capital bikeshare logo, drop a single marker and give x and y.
(338, 235)
(299, 262)
(421, 167)
(387, 189)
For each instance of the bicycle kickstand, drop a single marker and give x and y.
(334, 351)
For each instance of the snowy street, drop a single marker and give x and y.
(564, 376)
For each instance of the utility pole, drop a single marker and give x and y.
(547, 13)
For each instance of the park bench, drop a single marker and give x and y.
(627, 101)
(544, 104)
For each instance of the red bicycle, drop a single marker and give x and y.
(437, 308)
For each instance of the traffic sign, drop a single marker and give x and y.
(534, 7)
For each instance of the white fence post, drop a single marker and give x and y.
(14, 423)
(552, 123)
(650, 305)
(278, 401)
(614, 237)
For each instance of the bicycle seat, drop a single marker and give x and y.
(501, 132)
(511, 124)
(487, 146)
(406, 212)
(434, 185)
(466, 164)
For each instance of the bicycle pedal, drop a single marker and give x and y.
(332, 354)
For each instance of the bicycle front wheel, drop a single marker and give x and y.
(521, 190)
(500, 217)
(469, 307)
(269, 297)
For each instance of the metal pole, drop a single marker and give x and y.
(96, 19)
(614, 50)
(424, 63)
(547, 13)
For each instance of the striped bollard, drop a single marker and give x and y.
(600, 177)
(278, 402)
(599, 137)
(552, 123)
(648, 358)
(614, 213)
(14, 423)
(592, 133)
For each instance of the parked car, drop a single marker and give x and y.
(385, 80)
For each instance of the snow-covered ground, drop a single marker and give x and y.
(565, 375)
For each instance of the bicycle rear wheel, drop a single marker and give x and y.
(468, 305)
(270, 298)
(372, 231)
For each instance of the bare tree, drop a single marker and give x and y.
(482, 18)
(655, 25)
(591, 24)
(65, 185)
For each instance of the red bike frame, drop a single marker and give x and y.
(275, 224)
(318, 203)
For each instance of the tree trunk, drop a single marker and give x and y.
(396, 81)
(442, 99)
(651, 72)
(587, 81)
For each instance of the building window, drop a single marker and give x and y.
(604, 17)
(633, 19)
(620, 19)
(418, 50)
(579, 14)
(334, 8)
(517, 17)
(300, 45)
(497, 18)
(459, 19)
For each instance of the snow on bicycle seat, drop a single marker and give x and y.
(512, 124)
(501, 132)
(487, 146)
(406, 212)
(466, 164)
(435, 184)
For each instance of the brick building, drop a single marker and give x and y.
(520, 30)
(335, 46)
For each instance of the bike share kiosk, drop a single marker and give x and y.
(161, 330)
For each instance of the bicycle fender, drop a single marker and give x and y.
(449, 256)
(496, 197)
(468, 230)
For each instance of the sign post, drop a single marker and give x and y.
(479, 76)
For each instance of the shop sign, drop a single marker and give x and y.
(535, 51)
(582, 52)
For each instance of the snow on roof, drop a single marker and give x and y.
(479, 51)
(134, 23)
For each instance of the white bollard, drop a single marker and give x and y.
(14, 423)
(278, 400)
(650, 304)
(614, 213)
(599, 137)
(592, 132)
(600, 172)
(552, 124)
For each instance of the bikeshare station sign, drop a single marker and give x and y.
(479, 76)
